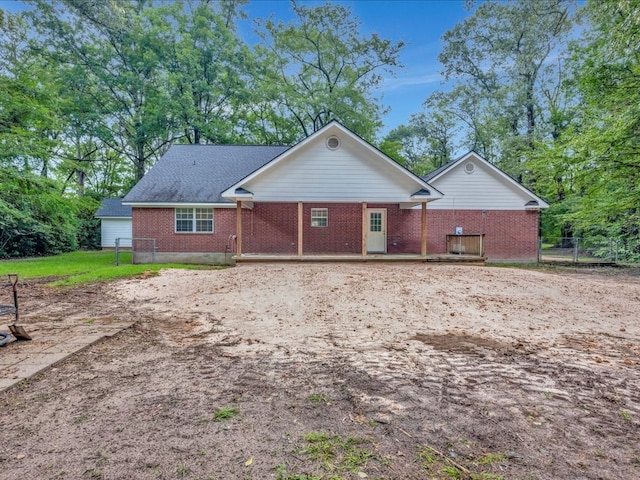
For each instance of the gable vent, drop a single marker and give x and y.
(333, 143)
(469, 167)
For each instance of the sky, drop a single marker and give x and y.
(420, 24)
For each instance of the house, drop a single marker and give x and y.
(115, 222)
(483, 209)
(332, 193)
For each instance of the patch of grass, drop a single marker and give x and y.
(491, 458)
(225, 413)
(449, 471)
(183, 470)
(282, 474)
(318, 398)
(336, 454)
(625, 415)
(440, 465)
(83, 267)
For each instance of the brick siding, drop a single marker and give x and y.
(508, 234)
(272, 228)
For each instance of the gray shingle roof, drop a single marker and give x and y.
(112, 207)
(437, 171)
(200, 173)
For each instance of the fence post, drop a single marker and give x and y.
(117, 251)
(576, 241)
(617, 249)
(539, 249)
(610, 254)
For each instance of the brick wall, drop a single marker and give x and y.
(343, 233)
(272, 228)
(159, 223)
(509, 234)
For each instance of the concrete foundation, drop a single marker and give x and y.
(196, 258)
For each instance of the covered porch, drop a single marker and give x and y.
(331, 231)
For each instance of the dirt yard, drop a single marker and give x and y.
(330, 371)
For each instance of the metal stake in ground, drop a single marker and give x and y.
(18, 331)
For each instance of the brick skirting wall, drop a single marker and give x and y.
(272, 228)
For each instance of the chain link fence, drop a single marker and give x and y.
(139, 250)
(581, 250)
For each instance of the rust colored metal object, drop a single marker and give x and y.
(17, 331)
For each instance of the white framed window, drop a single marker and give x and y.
(319, 217)
(194, 220)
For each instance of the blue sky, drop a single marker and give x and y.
(418, 23)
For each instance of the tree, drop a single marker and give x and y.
(118, 49)
(35, 219)
(29, 120)
(600, 150)
(317, 69)
(205, 63)
(500, 57)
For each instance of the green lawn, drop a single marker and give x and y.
(82, 267)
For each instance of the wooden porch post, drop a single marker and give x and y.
(300, 228)
(364, 229)
(239, 228)
(423, 226)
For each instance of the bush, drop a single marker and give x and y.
(35, 218)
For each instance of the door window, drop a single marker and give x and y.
(375, 222)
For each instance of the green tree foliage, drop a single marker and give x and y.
(29, 120)
(427, 143)
(501, 59)
(34, 218)
(206, 65)
(596, 161)
(319, 68)
(118, 49)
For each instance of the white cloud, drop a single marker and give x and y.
(391, 83)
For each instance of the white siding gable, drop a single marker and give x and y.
(483, 189)
(112, 228)
(351, 173)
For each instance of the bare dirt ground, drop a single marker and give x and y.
(330, 371)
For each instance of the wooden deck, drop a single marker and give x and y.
(275, 258)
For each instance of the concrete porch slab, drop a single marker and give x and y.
(337, 258)
(52, 343)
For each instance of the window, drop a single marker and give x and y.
(319, 217)
(198, 220)
(375, 223)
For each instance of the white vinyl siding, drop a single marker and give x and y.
(483, 189)
(347, 174)
(112, 228)
(194, 220)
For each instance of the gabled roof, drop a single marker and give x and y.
(365, 151)
(535, 202)
(198, 174)
(113, 208)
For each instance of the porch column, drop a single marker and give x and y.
(300, 228)
(364, 229)
(423, 230)
(239, 228)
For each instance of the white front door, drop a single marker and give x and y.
(376, 230)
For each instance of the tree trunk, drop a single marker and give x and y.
(140, 161)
